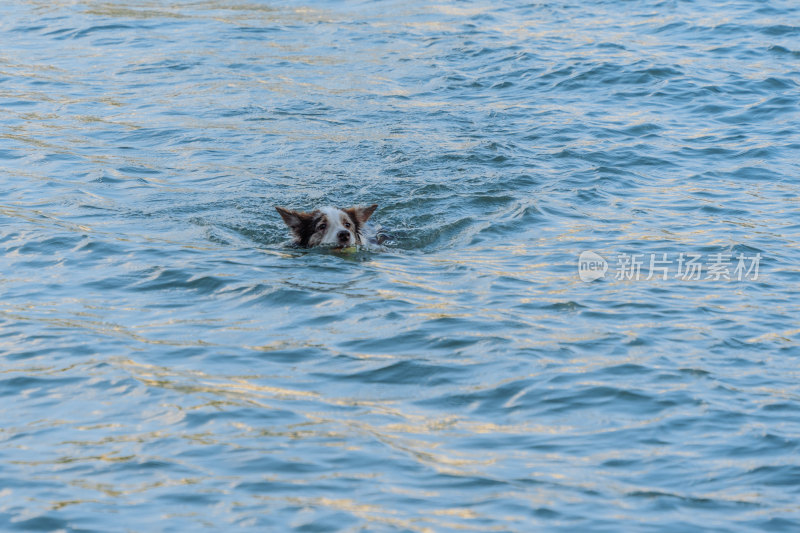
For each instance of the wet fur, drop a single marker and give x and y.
(329, 226)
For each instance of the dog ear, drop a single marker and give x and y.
(293, 219)
(362, 214)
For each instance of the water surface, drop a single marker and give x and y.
(170, 364)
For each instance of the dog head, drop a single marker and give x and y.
(327, 226)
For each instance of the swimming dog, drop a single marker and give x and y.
(328, 226)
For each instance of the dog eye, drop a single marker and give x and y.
(347, 225)
(322, 226)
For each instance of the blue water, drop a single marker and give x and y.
(169, 363)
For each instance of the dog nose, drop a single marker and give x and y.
(343, 235)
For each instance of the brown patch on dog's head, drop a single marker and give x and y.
(302, 225)
(359, 215)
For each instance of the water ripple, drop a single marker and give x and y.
(169, 361)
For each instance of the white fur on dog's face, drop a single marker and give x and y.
(340, 228)
(330, 227)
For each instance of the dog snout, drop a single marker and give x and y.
(343, 236)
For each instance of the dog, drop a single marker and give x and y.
(328, 226)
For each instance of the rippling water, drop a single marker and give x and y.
(170, 364)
